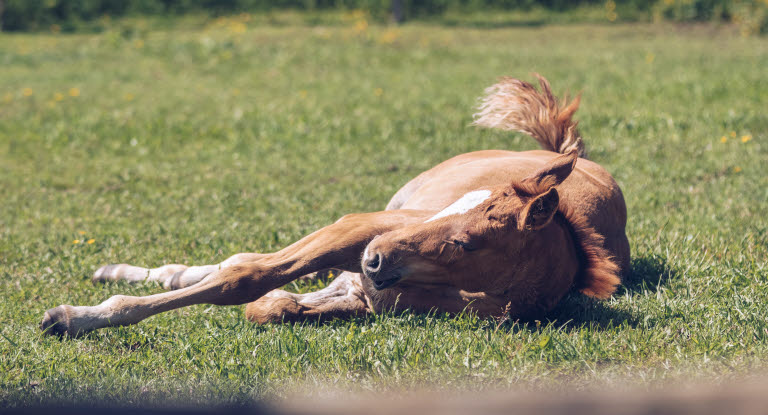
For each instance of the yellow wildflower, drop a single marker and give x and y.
(745, 138)
(723, 139)
(90, 241)
(303, 93)
(361, 26)
(76, 241)
(237, 27)
(74, 92)
(81, 232)
(235, 91)
(388, 37)
(378, 92)
(27, 92)
(745, 31)
(736, 169)
(58, 96)
(649, 57)
(138, 44)
(128, 96)
(733, 134)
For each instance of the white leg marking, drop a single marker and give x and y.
(163, 274)
(136, 274)
(191, 276)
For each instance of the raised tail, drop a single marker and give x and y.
(515, 105)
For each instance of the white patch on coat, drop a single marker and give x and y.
(463, 205)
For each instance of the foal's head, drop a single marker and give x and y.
(498, 239)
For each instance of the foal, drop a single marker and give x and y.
(490, 231)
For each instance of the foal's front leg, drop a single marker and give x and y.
(336, 246)
(172, 276)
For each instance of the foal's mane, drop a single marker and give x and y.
(598, 272)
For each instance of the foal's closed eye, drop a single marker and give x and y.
(466, 246)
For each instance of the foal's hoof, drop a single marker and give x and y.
(106, 273)
(56, 322)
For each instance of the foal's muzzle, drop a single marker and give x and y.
(372, 265)
(374, 268)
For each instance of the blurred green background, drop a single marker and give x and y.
(69, 15)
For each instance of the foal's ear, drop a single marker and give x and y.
(538, 212)
(550, 175)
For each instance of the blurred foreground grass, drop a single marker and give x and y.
(192, 144)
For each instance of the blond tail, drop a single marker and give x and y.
(515, 105)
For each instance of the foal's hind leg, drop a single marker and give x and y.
(172, 276)
(344, 297)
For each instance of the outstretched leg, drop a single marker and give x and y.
(342, 298)
(172, 276)
(336, 246)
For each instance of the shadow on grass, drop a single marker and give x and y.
(646, 275)
(575, 311)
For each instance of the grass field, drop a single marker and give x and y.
(188, 145)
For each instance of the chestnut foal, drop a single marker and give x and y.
(489, 231)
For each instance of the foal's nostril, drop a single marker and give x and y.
(373, 264)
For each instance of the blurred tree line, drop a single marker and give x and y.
(15, 15)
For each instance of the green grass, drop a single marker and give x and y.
(190, 145)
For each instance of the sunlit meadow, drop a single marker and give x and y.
(186, 145)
